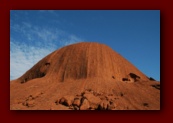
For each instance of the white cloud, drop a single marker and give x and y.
(72, 39)
(22, 58)
(38, 43)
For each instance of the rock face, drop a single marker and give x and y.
(67, 100)
(89, 100)
(64, 76)
(82, 61)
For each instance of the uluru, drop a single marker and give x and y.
(84, 76)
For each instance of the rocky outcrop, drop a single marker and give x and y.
(85, 105)
(67, 100)
(89, 100)
(30, 100)
(90, 58)
(112, 82)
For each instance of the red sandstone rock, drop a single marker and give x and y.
(93, 100)
(104, 105)
(67, 100)
(77, 102)
(112, 106)
(84, 66)
(85, 105)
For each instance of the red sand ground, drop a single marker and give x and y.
(84, 76)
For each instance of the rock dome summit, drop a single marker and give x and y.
(84, 76)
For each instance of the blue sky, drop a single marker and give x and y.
(135, 34)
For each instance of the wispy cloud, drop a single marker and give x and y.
(29, 44)
(72, 39)
(22, 58)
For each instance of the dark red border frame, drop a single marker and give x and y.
(164, 115)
